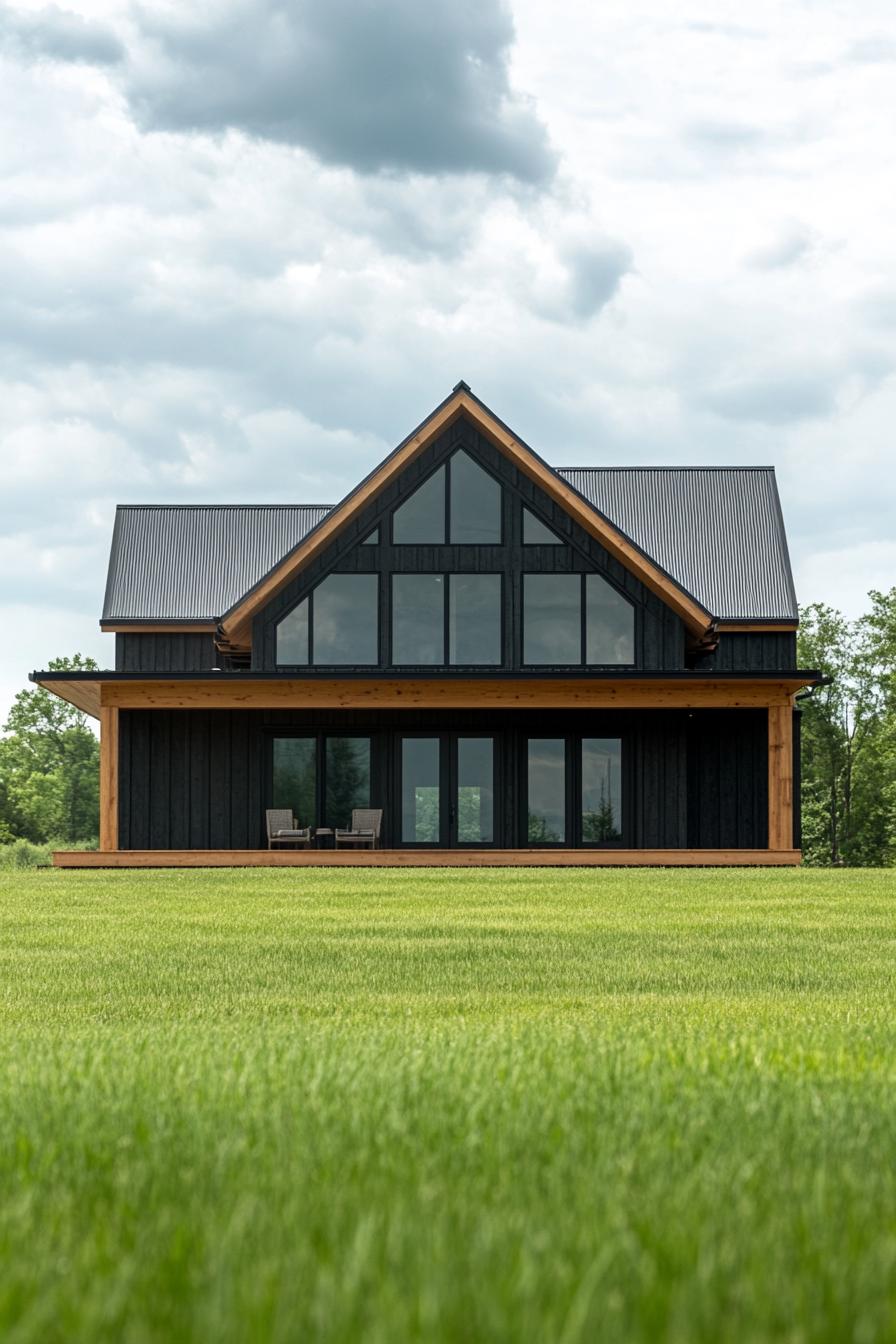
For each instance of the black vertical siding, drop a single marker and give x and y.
(174, 652)
(727, 779)
(190, 779)
(199, 779)
(756, 651)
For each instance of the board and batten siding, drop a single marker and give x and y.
(199, 779)
(156, 652)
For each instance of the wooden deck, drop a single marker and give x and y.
(425, 858)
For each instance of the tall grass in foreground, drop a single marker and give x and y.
(446, 1105)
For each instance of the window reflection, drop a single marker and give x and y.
(475, 503)
(552, 618)
(418, 619)
(609, 623)
(474, 619)
(346, 620)
(546, 791)
(601, 790)
(421, 519)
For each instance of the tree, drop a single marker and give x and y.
(49, 766)
(849, 735)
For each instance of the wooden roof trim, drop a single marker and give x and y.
(84, 695)
(236, 624)
(174, 628)
(757, 627)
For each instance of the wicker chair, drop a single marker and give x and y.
(283, 829)
(364, 830)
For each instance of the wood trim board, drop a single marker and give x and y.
(108, 777)
(447, 693)
(433, 858)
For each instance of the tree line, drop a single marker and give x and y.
(49, 756)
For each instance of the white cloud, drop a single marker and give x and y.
(237, 314)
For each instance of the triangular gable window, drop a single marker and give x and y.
(460, 503)
(373, 539)
(421, 519)
(535, 533)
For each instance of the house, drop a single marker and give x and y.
(516, 663)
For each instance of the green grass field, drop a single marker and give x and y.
(448, 1105)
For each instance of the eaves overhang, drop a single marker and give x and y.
(375, 689)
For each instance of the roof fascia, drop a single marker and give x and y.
(236, 624)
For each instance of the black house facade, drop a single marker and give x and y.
(512, 663)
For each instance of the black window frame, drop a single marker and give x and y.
(320, 736)
(582, 575)
(573, 790)
(309, 598)
(448, 575)
(446, 464)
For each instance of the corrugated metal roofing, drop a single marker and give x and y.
(717, 531)
(191, 562)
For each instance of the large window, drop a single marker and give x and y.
(459, 503)
(292, 637)
(321, 778)
(569, 619)
(475, 516)
(546, 790)
(468, 620)
(338, 625)
(346, 778)
(295, 777)
(421, 519)
(420, 790)
(601, 790)
(609, 623)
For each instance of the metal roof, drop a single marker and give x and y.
(717, 531)
(190, 562)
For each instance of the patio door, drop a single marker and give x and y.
(446, 786)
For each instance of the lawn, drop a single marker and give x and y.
(431, 1105)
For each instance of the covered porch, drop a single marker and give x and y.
(699, 770)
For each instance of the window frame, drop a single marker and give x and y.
(446, 465)
(583, 576)
(309, 598)
(320, 737)
(573, 791)
(448, 575)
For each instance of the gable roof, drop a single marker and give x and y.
(710, 541)
(718, 530)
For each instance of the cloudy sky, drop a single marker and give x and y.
(245, 246)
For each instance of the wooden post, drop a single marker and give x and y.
(108, 777)
(780, 776)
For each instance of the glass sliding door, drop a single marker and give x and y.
(295, 777)
(474, 809)
(601, 790)
(447, 786)
(346, 778)
(546, 791)
(421, 791)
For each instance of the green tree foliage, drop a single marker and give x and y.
(849, 735)
(49, 767)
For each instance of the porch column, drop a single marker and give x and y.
(109, 777)
(780, 776)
